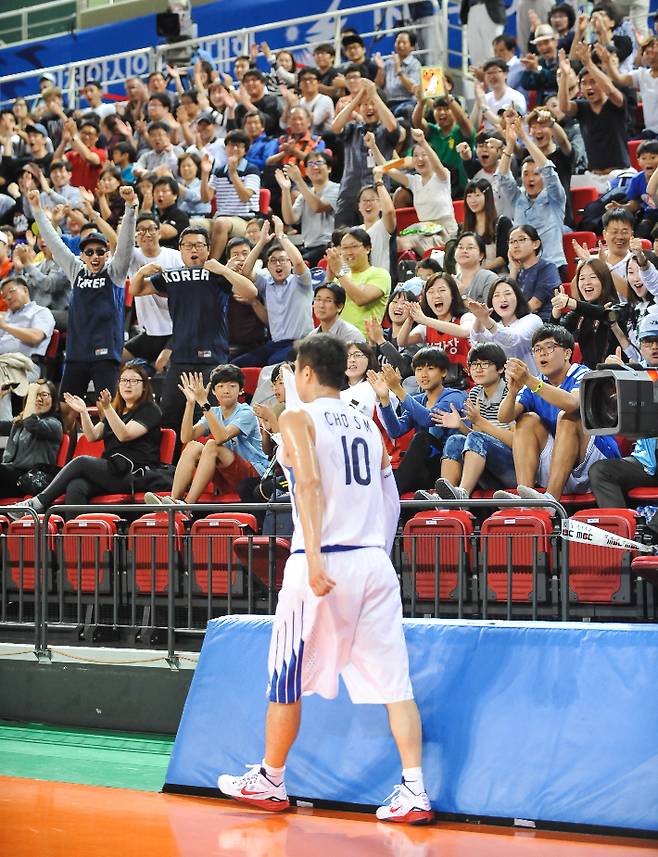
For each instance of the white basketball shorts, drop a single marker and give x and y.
(354, 631)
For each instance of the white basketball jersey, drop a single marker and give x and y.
(349, 450)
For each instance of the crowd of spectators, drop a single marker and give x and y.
(203, 222)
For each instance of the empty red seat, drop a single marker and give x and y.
(148, 546)
(259, 554)
(516, 539)
(437, 546)
(588, 238)
(212, 541)
(405, 217)
(633, 146)
(602, 574)
(19, 546)
(88, 551)
(580, 197)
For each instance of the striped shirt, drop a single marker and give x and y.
(489, 407)
(227, 200)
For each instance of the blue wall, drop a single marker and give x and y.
(538, 721)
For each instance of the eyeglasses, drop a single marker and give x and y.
(41, 396)
(357, 354)
(278, 259)
(480, 365)
(514, 241)
(147, 230)
(545, 349)
(130, 382)
(99, 251)
(324, 301)
(319, 163)
(198, 245)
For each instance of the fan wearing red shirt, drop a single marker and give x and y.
(85, 157)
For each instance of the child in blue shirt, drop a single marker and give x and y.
(638, 198)
(421, 464)
(233, 453)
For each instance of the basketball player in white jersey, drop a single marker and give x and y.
(339, 610)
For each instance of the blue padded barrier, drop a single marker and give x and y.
(544, 721)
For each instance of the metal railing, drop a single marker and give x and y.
(30, 22)
(156, 581)
(114, 69)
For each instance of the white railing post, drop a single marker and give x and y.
(337, 29)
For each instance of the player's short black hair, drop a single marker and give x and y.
(430, 356)
(490, 351)
(226, 373)
(622, 214)
(327, 357)
(560, 334)
(325, 48)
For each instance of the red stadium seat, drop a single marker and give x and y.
(633, 146)
(251, 376)
(258, 553)
(19, 546)
(580, 197)
(587, 238)
(601, 575)
(148, 550)
(458, 208)
(212, 541)
(405, 217)
(264, 197)
(518, 538)
(436, 545)
(89, 545)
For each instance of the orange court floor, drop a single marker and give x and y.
(53, 819)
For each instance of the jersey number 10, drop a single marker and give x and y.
(357, 464)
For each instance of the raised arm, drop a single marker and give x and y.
(118, 268)
(243, 288)
(341, 119)
(66, 260)
(419, 140)
(566, 105)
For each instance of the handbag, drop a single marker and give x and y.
(36, 479)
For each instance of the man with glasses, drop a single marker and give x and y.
(198, 297)
(152, 310)
(286, 289)
(96, 309)
(236, 188)
(314, 206)
(549, 445)
(328, 303)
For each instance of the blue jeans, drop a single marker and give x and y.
(498, 456)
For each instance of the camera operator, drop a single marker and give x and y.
(611, 479)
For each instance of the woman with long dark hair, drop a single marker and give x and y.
(506, 320)
(130, 428)
(481, 217)
(473, 279)
(34, 439)
(536, 277)
(590, 320)
(441, 319)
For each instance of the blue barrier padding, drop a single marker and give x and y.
(541, 721)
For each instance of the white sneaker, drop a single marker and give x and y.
(405, 806)
(171, 501)
(17, 510)
(447, 491)
(505, 495)
(152, 499)
(527, 493)
(255, 789)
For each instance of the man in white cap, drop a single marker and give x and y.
(541, 68)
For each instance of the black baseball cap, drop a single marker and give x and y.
(94, 238)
